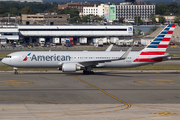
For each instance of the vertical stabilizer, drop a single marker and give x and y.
(155, 51)
(160, 43)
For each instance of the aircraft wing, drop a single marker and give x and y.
(95, 62)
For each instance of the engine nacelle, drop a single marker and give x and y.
(70, 67)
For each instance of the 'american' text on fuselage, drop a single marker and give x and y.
(50, 58)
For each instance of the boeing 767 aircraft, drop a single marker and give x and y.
(71, 61)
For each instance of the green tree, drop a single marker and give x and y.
(139, 31)
(173, 7)
(162, 9)
(16, 8)
(121, 20)
(177, 20)
(153, 28)
(152, 18)
(13, 11)
(93, 18)
(98, 18)
(35, 23)
(162, 19)
(137, 20)
(134, 31)
(26, 10)
(87, 19)
(73, 12)
(74, 20)
(148, 3)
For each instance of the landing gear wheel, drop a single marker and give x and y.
(15, 71)
(88, 72)
(84, 71)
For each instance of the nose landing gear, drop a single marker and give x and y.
(15, 70)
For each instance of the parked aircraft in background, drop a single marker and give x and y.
(71, 61)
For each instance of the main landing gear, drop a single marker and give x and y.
(15, 70)
(88, 72)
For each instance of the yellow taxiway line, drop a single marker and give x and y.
(125, 104)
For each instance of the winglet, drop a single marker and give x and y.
(124, 56)
(109, 48)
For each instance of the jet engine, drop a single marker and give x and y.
(70, 67)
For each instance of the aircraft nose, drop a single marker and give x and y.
(3, 61)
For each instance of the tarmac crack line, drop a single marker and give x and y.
(30, 111)
(125, 104)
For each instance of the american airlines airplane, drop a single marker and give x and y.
(72, 61)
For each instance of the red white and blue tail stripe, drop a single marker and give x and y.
(158, 46)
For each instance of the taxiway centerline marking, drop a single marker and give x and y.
(126, 104)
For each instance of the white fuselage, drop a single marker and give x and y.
(55, 59)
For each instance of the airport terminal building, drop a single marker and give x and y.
(82, 34)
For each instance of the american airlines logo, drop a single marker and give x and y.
(50, 58)
(25, 59)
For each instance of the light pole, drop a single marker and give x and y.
(88, 20)
(178, 40)
(8, 18)
(109, 3)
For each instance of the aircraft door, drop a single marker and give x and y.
(21, 58)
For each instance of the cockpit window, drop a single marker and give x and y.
(8, 56)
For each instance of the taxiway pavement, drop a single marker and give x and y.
(107, 95)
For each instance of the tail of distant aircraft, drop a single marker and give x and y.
(157, 48)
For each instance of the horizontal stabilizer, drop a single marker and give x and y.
(154, 58)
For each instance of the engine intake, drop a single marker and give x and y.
(70, 67)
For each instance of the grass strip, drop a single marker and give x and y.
(146, 67)
(175, 54)
(3, 54)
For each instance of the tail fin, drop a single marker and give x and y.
(160, 43)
